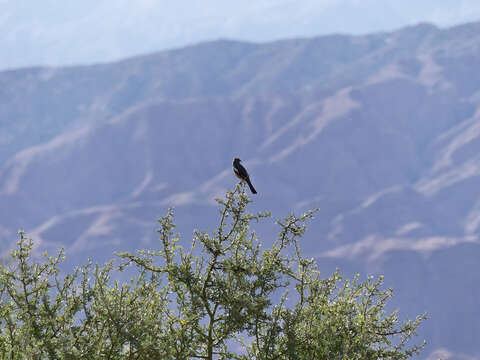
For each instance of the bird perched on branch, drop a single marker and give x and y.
(242, 174)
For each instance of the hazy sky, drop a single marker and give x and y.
(56, 32)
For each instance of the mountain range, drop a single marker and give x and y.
(57, 33)
(381, 132)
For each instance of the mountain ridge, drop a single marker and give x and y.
(381, 132)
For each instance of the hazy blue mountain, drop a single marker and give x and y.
(51, 32)
(382, 132)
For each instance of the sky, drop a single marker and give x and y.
(70, 32)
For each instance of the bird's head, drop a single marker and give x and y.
(236, 160)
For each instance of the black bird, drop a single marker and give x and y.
(242, 174)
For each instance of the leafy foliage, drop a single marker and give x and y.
(224, 298)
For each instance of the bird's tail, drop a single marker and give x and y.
(252, 189)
